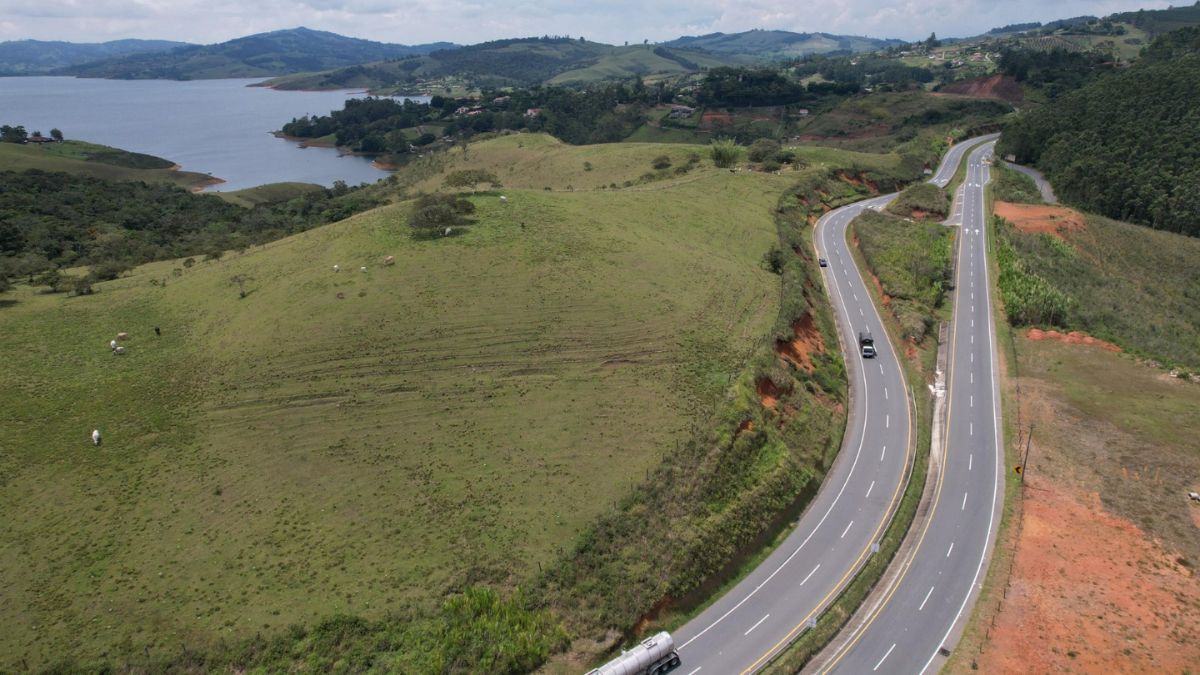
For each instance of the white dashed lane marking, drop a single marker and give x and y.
(926, 599)
(756, 625)
(886, 654)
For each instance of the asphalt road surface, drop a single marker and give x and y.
(924, 611)
(763, 613)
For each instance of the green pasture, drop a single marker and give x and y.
(100, 161)
(301, 442)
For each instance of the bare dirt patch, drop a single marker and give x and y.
(1098, 571)
(768, 392)
(884, 297)
(1091, 593)
(1004, 87)
(806, 340)
(1048, 219)
(1073, 338)
(858, 180)
(714, 118)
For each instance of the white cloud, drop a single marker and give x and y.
(470, 21)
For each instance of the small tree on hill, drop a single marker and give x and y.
(56, 134)
(434, 214)
(725, 153)
(469, 178)
(763, 149)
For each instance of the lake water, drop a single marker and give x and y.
(220, 127)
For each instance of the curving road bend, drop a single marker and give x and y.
(764, 612)
(923, 612)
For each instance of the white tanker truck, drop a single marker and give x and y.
(653, 656)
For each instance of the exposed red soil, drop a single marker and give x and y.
(858, 180)
(1074, 338)
(887, 299)
(768, 392)
(640, 627)
(812, 219)
(746, 425)
(1091, 593)
(1048, 219)
(712, 118)
(806, 340)
(1003, 87)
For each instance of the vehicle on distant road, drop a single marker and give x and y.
(653, 656)
(867, 343)
(822, 262)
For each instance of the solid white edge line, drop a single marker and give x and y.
(841, 490)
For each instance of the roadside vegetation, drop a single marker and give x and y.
(1013, 186)
(1117, 281)
(922, 201)
(912, 262)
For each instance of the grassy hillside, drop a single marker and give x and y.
(622, 63)
(98, 161)
(271, 193)
(261, 55)
(1125, 283)
(879, 122)
(778, 44)
(361, 441)
(517, 62)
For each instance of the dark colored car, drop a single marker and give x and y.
(822, 262)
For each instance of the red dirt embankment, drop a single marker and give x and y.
(768, 392)
(806, 339)
(1073, 338)
(1048, 219)
(1091, 593)
(1004, 87)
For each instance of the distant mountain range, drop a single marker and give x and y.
(263, 55)
(562, 60)
(517, 62)
(779, 44)
(37, 57)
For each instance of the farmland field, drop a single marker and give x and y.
(301, 442)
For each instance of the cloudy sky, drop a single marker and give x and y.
(471, 21)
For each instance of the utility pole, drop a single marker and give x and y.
(1025, 460)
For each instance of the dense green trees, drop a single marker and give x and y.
(50, 220)
(1126, 144)
(748, 87)
(11, 134)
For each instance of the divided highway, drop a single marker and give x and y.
(760, 616)
(925, 608)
